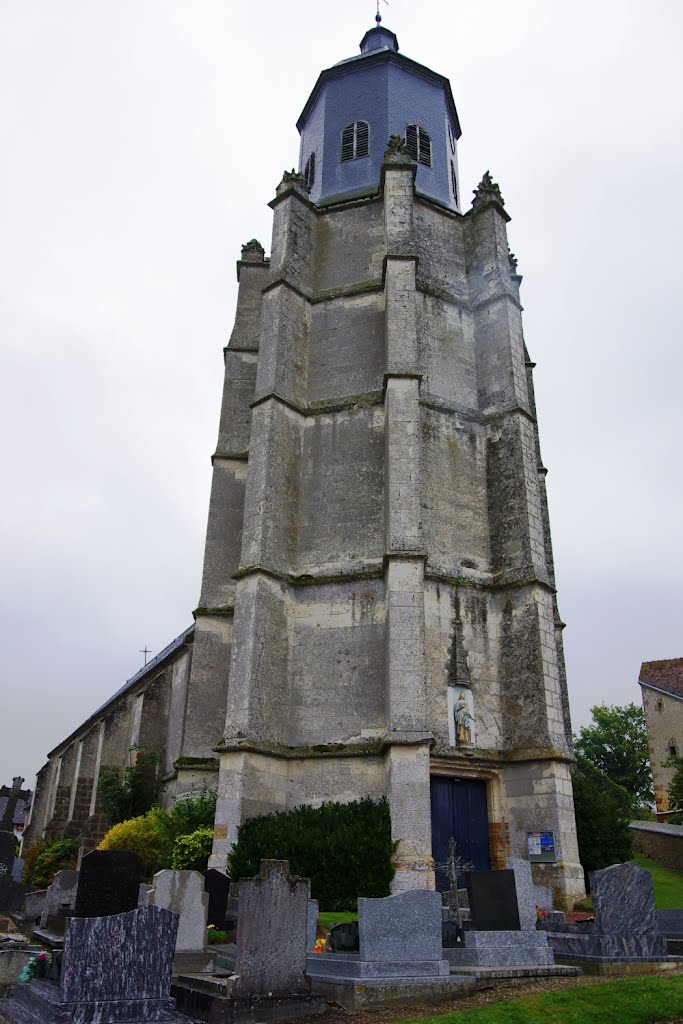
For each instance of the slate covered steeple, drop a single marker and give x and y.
(358, 104)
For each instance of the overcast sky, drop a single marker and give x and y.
(142, 141)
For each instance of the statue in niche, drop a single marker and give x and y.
(463, 721)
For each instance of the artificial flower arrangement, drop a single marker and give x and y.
(37, 967)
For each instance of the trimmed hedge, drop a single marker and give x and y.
(345, 849)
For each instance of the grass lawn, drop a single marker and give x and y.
(668, 885)
(329, 917)
(627, 1001)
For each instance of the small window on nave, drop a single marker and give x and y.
(309, 171)
(355, 141)
(419, 144)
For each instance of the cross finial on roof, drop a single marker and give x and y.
(378, 16)
(145, 651)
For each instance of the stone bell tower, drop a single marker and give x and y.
(378, 612)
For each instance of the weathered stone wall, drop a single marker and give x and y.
(664, 721)
(665, 846)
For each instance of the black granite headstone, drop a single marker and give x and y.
(115, 968)
(493, 901)
(108, 883)
(8, 845)
(217, 885)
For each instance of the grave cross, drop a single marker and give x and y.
(7, 823)
(453, 866)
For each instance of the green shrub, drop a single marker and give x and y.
(153, 835)
(345, 849)
(216, 936)
(53, 855)
(197, 810)
(603, 814)
(148, 835)
(192, 852)
(30, 856)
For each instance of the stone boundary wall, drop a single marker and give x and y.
(662, 843)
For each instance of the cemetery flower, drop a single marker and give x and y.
(35, 968)
(319, 946)
(541, 913)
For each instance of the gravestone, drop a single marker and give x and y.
(670, 923)
(182, 892)
(312, 924)
(17, 869)
(34, 904)
(217, 886)
(271, 933)
(8, 845)
(60, 896)
(399, 944)
(525, 891)
(623, 900)
(401, 928)
(109, 883)
(625, 929)
(143, 889)
(503, 929)
(493, 900)
(115, 968)
(344, 937)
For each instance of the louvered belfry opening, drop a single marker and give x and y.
(454, 183)
(309, 171)
(355, 141)
(419, 144)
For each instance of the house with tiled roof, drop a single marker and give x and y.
(661, 684)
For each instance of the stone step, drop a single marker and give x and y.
(225, 957)
(211, 984)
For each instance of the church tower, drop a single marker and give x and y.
(378, 612)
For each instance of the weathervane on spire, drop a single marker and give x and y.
(378, 16)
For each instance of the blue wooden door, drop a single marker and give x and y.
(459, 810)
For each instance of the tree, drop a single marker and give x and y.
(603, 815)
(617, 745)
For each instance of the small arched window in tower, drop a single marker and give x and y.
(419, 144)
(673, 749)
(355, 141)
(660, 705)
(454, 183)
(309, 171)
